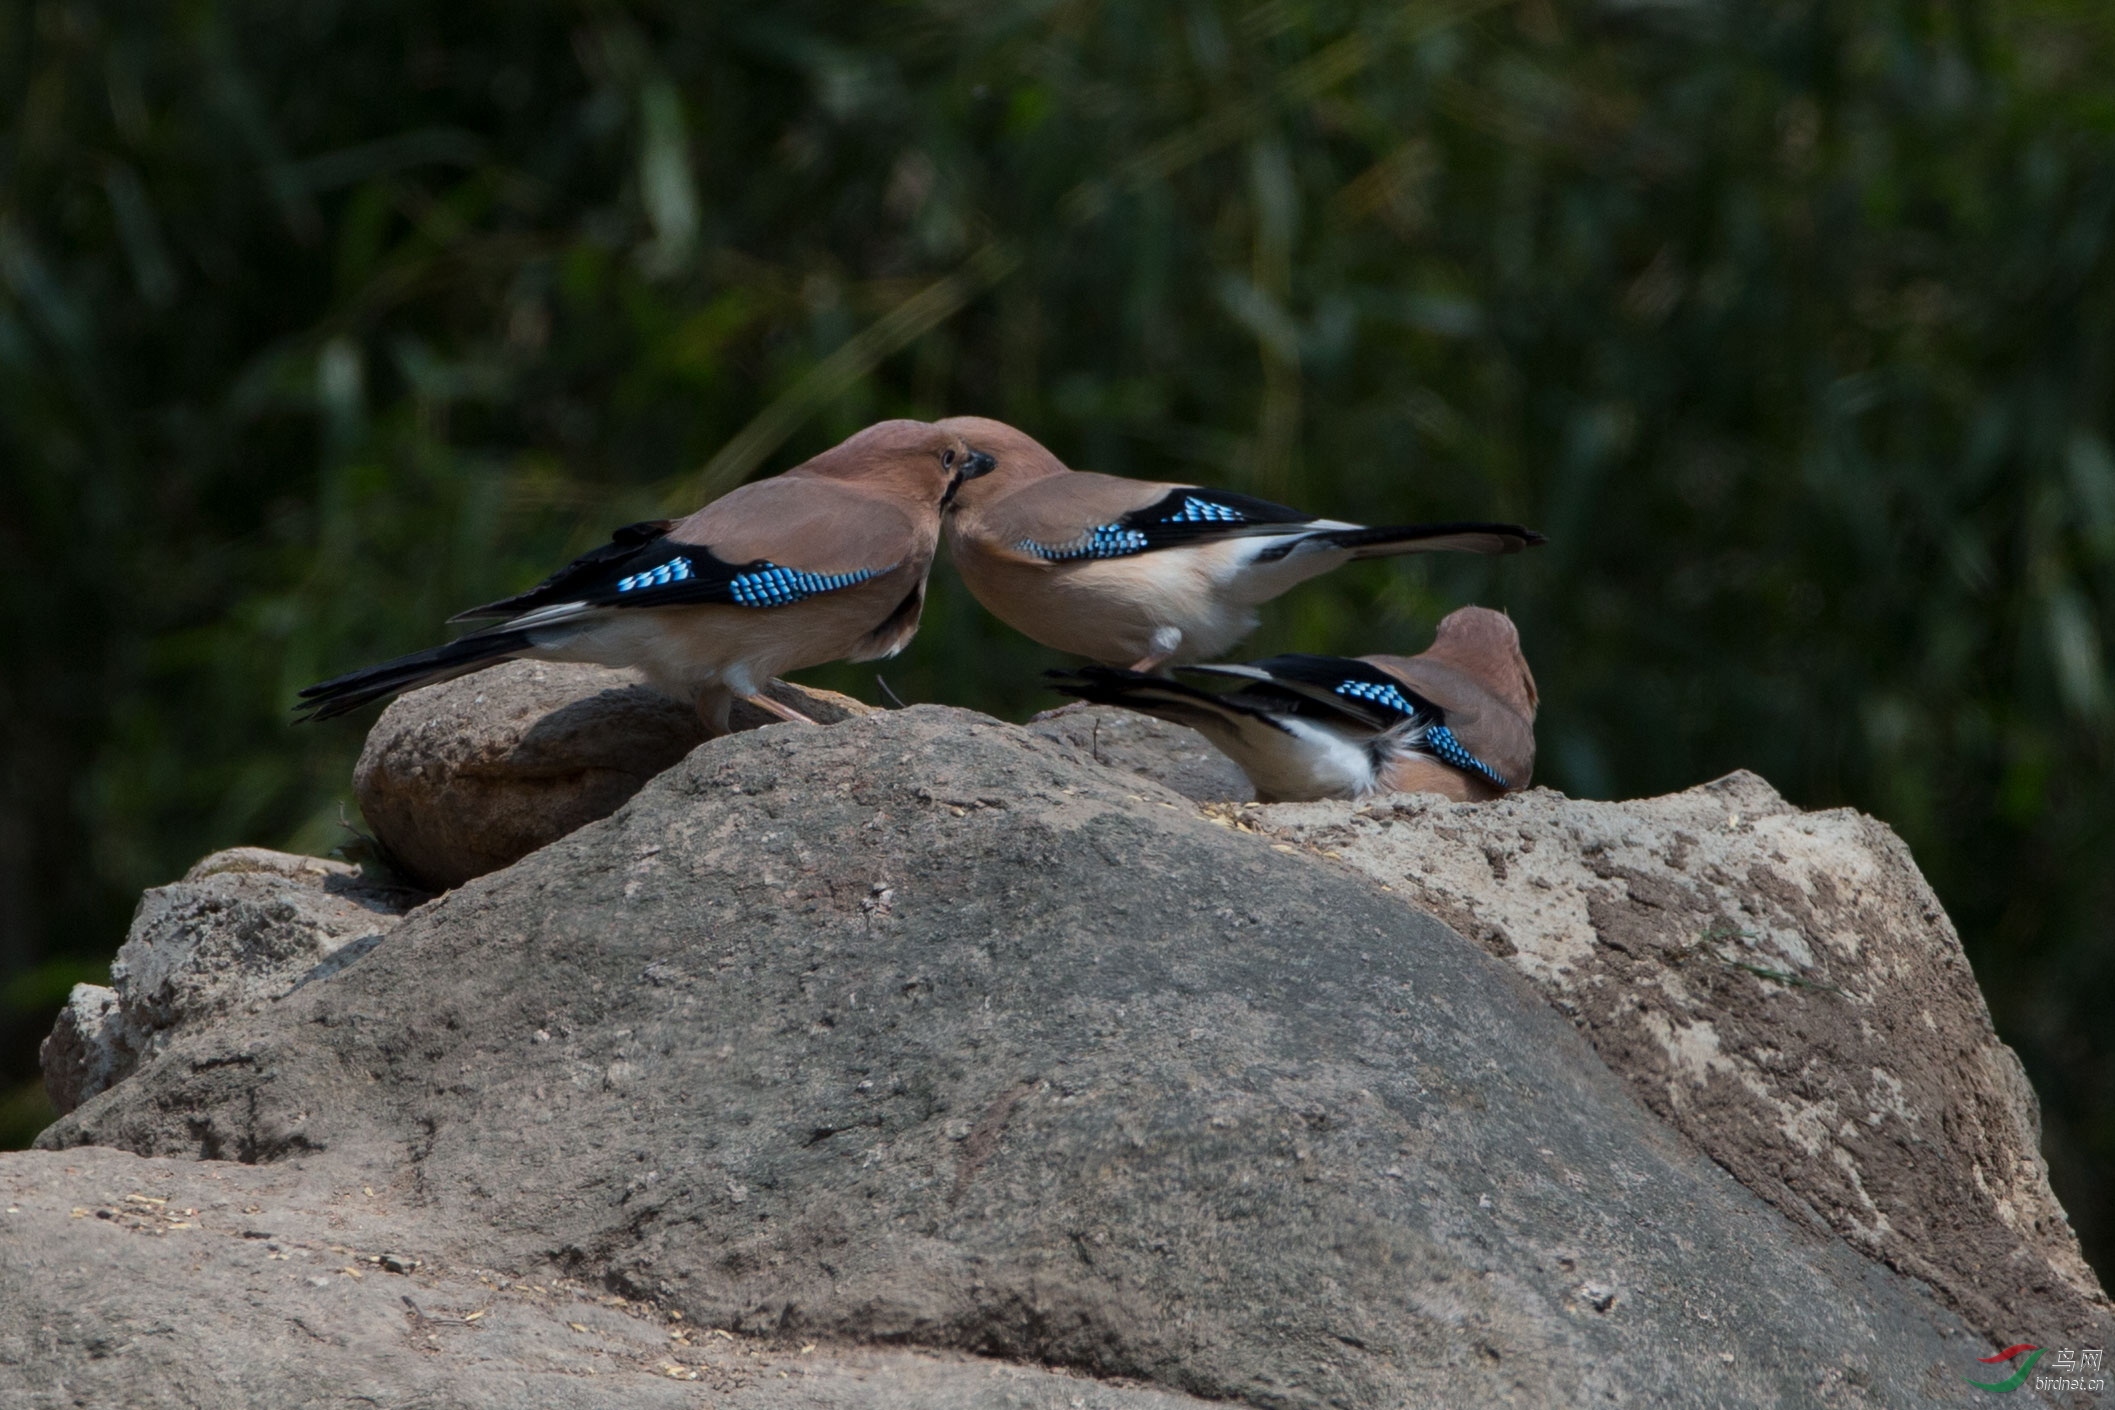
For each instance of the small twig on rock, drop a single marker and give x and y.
(1708, 942)
(422, 1318)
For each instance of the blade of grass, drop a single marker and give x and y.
(855, 358)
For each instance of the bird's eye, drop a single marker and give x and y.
(947, 460)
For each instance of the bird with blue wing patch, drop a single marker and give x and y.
(825, 562)
(1140, 574)
(1457, 719)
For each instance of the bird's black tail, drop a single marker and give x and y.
(349, 692)
(1152, 695)
(1390, 539)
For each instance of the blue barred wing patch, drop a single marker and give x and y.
(1101, 541)
(1178, 519)
(1448, 750)
(1434, 738)
(768, 585)
(1204, 511)
(1386, 696)
(675, 570)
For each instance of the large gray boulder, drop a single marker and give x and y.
(929, 1033)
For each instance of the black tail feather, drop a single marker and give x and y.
(1470, 537)
(583, 571)
(1152, 695)
(1273, 690)
(1307, 685)
(334, 697)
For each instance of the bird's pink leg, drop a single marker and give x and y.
(1166, 642)
(772, 707)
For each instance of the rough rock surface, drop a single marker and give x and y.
(930, 1033)
(147, 1284)
(1781, 986)
(243, 927)
(87, 1048)
(465, 777)
(1167, 753)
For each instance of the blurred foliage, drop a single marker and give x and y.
(1789, 320)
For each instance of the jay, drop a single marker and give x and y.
(825, 562)
(1457, 719)
(1134, 573)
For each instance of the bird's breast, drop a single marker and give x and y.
(1109, 609)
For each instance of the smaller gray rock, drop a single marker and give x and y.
(473, 774)
(243, 927)
(86, 1051)
(1167, 753)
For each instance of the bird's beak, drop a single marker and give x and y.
(975, 463)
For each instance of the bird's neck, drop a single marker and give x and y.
(1012, 474)
(1500, 668)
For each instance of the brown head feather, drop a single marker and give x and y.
(1022, 459)
(872, 502)
(915, 459)
(1485, 646)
